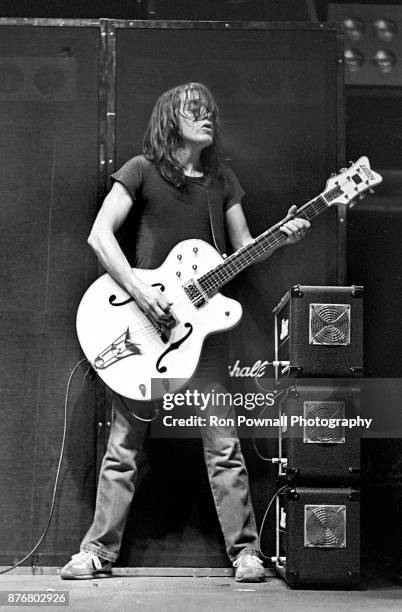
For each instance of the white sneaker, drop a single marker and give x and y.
(85, 565)
(249, 567)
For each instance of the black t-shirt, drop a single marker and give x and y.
(166, 215)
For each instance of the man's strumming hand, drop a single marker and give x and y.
(153, 303)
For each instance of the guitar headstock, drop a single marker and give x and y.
(351, 182)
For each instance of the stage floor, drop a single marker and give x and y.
(214, 594)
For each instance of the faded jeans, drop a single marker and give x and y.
(223, 457)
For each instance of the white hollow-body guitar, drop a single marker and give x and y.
(143, 361)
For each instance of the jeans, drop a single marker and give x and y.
(224, 460)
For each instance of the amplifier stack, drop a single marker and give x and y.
(319, 357)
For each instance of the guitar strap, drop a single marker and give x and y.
(216, 219)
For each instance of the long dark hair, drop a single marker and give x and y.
(162, 137)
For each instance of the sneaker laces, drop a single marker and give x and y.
(249, 560)
(84, 556)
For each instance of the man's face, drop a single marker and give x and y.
(196, 126)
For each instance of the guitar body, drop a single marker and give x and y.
(131, 355)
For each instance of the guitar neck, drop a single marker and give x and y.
(213, 280)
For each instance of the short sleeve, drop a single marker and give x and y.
(233, 190)
(131, 175)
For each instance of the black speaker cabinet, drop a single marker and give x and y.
(320, 436)
(319, 536)
(319, 331)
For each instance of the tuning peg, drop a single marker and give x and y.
(342, 170)
(371, 190)
(350, 163)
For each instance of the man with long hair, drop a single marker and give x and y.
(171, 187)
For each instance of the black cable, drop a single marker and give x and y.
(42, 537)
(156, 412)
(279, 393)
(265, 517)
(283, 396)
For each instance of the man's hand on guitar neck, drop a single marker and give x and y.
(295, 228)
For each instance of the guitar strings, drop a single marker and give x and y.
(242, 258)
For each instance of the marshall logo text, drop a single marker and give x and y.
(257, 369)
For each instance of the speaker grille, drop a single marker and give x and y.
(38, 78)
(329, 324)
(323, 430)
(324, 526)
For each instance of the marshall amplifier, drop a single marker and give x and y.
(318, 531)
(319, 332)
(320, 435)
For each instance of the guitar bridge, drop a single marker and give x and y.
(163, 330)
(195, 293)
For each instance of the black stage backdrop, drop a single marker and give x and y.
(374, 260)
(48, 186)
(277, 92)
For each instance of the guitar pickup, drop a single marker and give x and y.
(195, 293)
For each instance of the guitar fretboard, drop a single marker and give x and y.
(213, 280)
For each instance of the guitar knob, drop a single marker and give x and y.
(143, 389)
(195, 249)
(195, 267)
(180, 257)
(178, 274)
